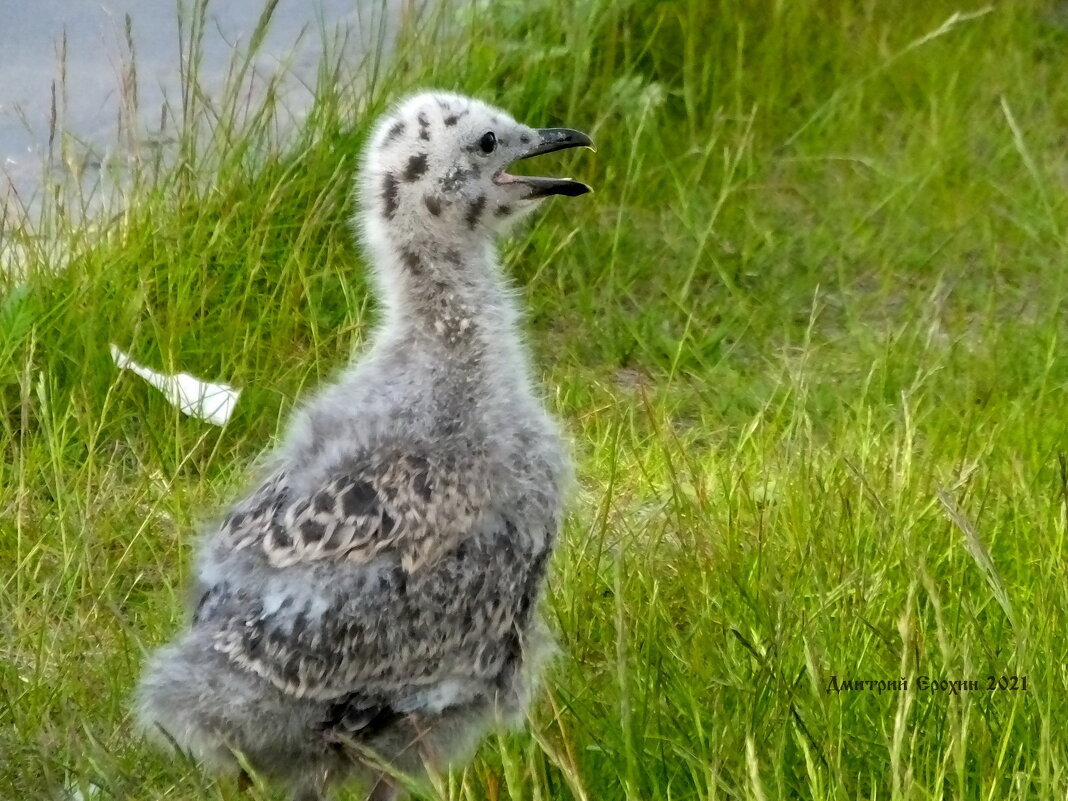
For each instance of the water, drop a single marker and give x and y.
(72, 111)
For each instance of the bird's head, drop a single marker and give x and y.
(438, 164)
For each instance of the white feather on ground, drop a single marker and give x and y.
(208, 401)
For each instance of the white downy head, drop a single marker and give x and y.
(435, 171)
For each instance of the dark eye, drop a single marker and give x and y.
(488, 142)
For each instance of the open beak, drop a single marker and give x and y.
(549, 141)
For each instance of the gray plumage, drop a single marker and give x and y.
(377, 587)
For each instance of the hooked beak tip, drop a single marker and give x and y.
(552, 139)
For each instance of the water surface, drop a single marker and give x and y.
(66, 98)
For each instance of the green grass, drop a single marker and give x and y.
(808, 337)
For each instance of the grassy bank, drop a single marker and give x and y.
(808, 337)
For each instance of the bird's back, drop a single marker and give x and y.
(402, 586)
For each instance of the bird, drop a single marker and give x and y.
(368, 608)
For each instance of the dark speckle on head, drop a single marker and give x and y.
(433, 204)
(474, 211)
(416, 167)
(452, 119)
(524, 139)
(424, 126)
(395, 132)
(389, 195)
(503, 210)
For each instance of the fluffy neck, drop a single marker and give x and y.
(448, 296)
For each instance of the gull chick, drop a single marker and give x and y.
(369, 606)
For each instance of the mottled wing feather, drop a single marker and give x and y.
(436, 605)
(410, 503)
(252, 518)
(461, 618)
